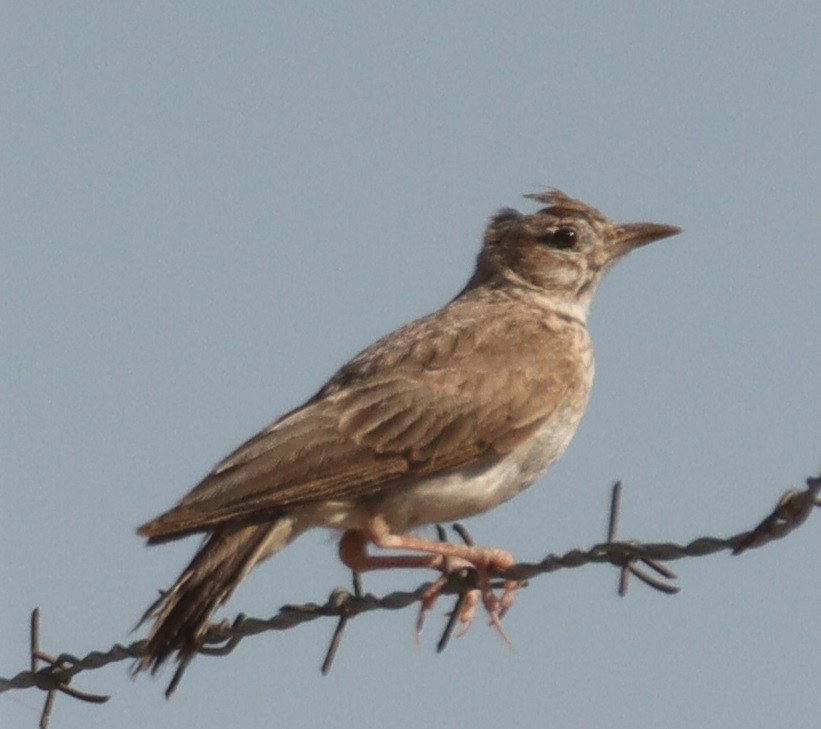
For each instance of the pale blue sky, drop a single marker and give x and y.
(208, 207)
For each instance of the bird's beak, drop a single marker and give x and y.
(634, 235)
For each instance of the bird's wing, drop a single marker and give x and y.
(430, 397)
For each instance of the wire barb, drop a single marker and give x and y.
(469, 579)
(336, 639)
(792, 510)
(627, 565)
(53, 678)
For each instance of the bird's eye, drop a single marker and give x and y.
(562, 238)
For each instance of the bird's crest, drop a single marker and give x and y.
(561, 204)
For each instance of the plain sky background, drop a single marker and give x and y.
(208, 207)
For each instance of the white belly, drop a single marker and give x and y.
(476, 488)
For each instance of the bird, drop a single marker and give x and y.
(442, 419)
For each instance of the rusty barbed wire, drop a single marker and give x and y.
(792, 510)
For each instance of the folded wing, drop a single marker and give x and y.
(427, 398)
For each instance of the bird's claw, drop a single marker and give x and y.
(465, 609)
(429, 598)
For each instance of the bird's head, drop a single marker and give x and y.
(561, 251)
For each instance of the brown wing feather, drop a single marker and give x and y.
(434, 395)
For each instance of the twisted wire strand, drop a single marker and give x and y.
(222, 637)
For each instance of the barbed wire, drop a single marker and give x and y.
(792, 510)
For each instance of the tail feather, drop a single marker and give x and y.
(182, 613)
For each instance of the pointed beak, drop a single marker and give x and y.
(634, 235)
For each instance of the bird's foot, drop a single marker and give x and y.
(483, 561)
(445, 557)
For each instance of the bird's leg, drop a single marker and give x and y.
(353, 552)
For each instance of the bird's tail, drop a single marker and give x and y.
(181, 614)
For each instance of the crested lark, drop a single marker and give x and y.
(444, 418)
